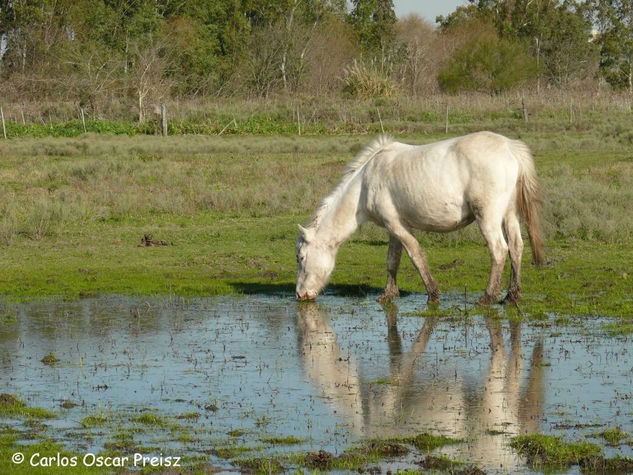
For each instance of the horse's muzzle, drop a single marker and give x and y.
(305, 297)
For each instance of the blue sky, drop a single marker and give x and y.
(427, 9)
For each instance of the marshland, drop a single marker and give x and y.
(147, 262)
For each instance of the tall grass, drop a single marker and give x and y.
(49, 187)
(361, 114)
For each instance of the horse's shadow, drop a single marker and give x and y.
(288, 289)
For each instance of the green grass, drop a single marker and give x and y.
(613, 436)
(11, 406)
(97, 420)
(74, 211)
(149, 419)
(551, 452)
(38, 450)
(289, 440)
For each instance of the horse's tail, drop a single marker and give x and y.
(529, 201)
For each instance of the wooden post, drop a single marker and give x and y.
(83, 118)
(298, 122)
(23, 119)
(525, 112)
(4, 127)
(380, 119)
(571, 111)
(446, 128)
(163, 118)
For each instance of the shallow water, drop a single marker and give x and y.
(331, 373)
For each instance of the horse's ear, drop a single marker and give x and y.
(305, 233)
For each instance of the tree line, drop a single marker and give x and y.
(146, 51)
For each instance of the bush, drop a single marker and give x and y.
(489, 64)
(364, 82)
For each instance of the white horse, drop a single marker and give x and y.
(439, 187)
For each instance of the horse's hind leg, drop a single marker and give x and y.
(412, 246)
(490, 225)
(394, 254)
(515, 245)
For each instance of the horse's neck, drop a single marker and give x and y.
(343, 217)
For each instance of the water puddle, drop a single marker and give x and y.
(233, 372)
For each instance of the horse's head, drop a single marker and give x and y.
(316, 262)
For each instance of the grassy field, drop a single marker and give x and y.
(74, 210)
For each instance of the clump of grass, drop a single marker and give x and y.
(600, 464)
(97, 420)
(613, 436)
(189, 416)
(289, 440)
(150, 419)
(230, 451)
(12, 406)
(236, 433)
(446, 465)
(50, 359)
(366, 81)
(261, 465)
(550, 451)
(428, 442)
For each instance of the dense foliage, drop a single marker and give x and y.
(140, 52)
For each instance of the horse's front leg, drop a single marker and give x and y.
(394, 253)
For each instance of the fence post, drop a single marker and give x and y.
(446, 128)
(83, 119)
(4, 127)
(163, 118)
(525, 112)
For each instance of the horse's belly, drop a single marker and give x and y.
(443, 217)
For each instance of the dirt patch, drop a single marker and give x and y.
(148, 240)
(9, 400)
(321, 459)
(447, 465)
(451, 265)
(387, 449)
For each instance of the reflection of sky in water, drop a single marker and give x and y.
(331, 373)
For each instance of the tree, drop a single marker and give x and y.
(418, 39)
(557, 32)
(489, 64)
(374, 22)
(615, 38)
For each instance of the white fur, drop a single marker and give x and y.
(439, 187)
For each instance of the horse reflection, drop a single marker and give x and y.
(484, 413)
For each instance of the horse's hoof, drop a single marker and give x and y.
(434, 297)
(511, 299)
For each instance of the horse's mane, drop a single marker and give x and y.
(350, 172)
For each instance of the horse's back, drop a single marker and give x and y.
(435, 186)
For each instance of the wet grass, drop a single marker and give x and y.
(427, 442)
(97, 420)
(549, 452)
(357, 458)
(444, 464)
(613, 436)
(11, 406)
(149, 419)
(289, 440)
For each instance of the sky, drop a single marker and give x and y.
(427, 9)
